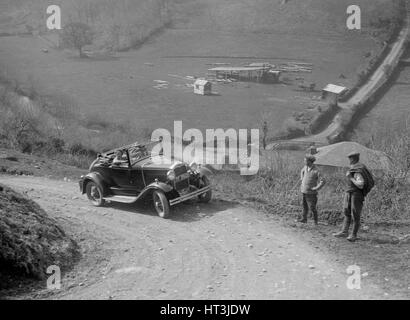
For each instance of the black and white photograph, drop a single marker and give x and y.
(221, 152)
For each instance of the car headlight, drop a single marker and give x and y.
(193, 166)
(171, 175)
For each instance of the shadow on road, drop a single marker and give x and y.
(190, 211)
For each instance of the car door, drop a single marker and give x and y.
(121, 176)
(136, 178)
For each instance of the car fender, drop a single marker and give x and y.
(160, 185)
(97, 178)
(157, 185)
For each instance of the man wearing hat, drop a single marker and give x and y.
(354, 197)
(312, 182)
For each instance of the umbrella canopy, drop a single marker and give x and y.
(335, 155)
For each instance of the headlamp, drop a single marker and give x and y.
(193, 166)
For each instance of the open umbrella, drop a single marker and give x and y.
(335, 155)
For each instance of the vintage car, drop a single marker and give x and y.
(130, 173)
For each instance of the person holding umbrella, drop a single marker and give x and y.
(359, 183)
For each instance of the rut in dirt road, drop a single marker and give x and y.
(204, 251)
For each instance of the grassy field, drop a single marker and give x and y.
(123, 88)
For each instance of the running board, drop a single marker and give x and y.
(130, 199)
(122, 199)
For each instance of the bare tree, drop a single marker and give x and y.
(76, 35)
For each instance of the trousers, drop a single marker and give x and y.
(309, 203)
(352, 208)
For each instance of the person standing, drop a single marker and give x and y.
(312, 182)
(359, 183)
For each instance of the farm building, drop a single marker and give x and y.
(203, 87)
(272, 76)
(259, 73)
(332, 93)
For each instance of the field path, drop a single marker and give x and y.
(218, 250)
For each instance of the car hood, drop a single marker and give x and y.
(157, 162)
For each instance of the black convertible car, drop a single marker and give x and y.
(130, 173)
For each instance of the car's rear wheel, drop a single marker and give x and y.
(161, 204)
(205, 197)
(94, 194)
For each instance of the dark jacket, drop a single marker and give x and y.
(367, 177)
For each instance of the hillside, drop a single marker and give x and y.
(120, 90)
(279, 16)
(116, 24)
(127, 17)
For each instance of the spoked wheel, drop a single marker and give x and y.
(161, 204)
(205, 197)
(94, 194)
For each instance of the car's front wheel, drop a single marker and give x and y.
(94, 194)
(161, 204)
(205, 197)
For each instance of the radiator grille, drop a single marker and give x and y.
(181, 182)
(181, 169)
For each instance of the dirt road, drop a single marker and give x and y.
(210, 251)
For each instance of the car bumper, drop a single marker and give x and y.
(189, 195)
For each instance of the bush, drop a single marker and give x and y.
(30, 240)
(76, 35)
(308, 121)
(79, 149)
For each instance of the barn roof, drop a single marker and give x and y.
(201, 82)
(261, 64)
(334, 89)
(229, 69)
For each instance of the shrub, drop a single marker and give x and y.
(30, 240)
(76, 35)
(78, 149)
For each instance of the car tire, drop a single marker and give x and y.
(161, 204)
(205, 197)
(94, 194)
